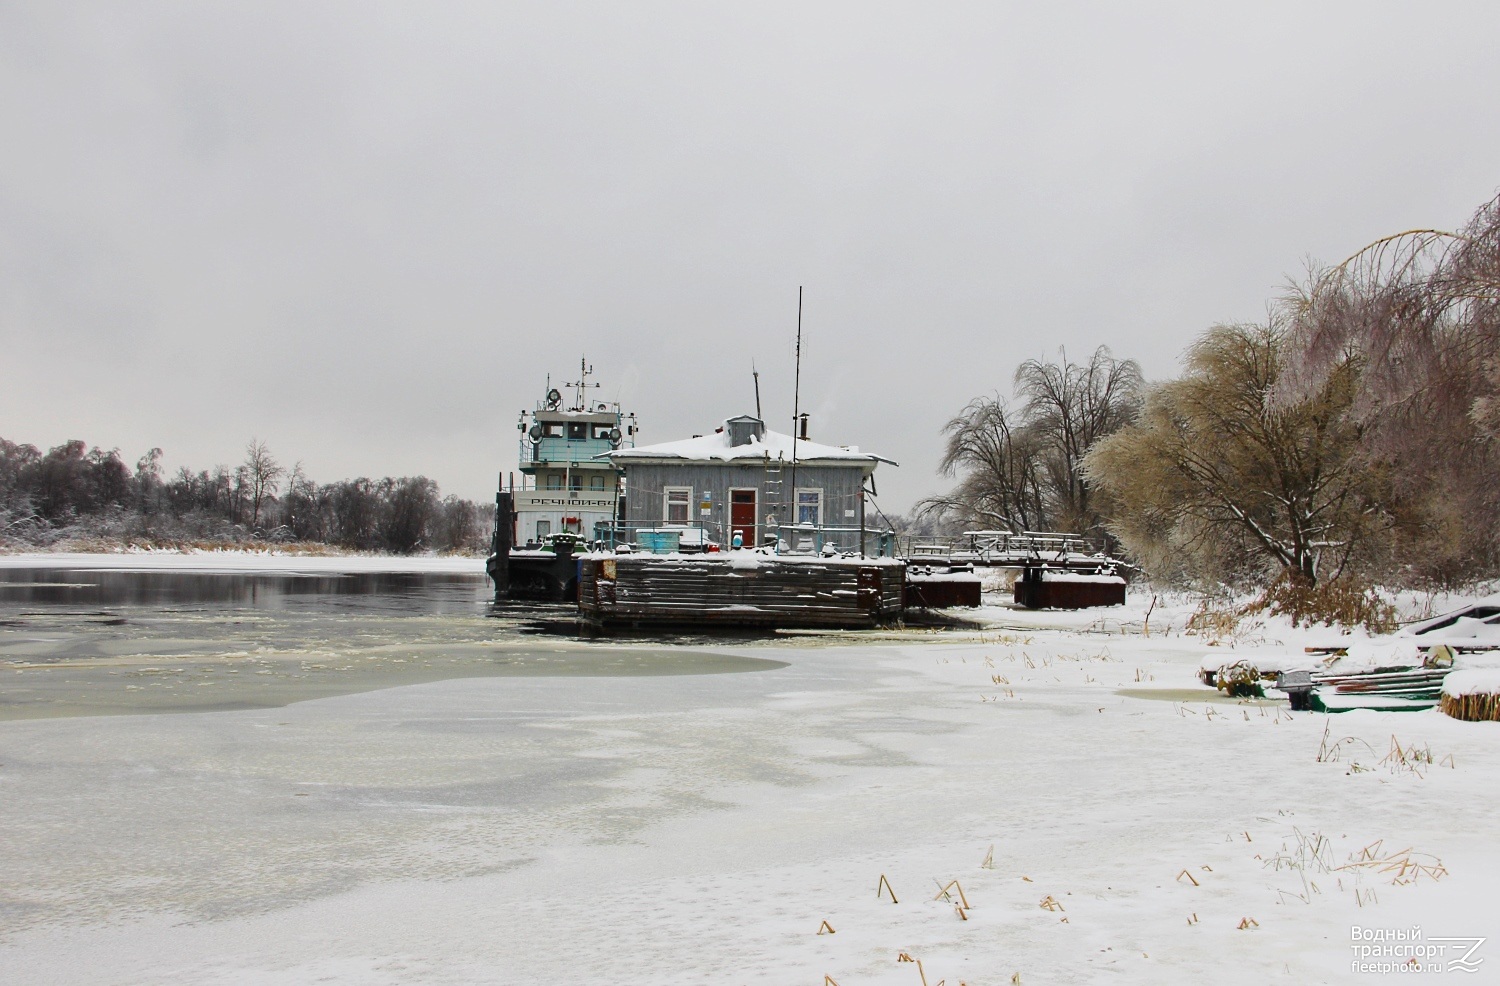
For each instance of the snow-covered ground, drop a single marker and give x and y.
(1105, 818)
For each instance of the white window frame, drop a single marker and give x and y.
(817, 492)
(667, 494)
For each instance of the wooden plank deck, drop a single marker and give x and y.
(740, 589)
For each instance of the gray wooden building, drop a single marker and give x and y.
(743, 479)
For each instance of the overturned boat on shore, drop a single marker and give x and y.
(1403, 671)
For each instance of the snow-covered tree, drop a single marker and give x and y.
(1216, 479)
(1020, 466)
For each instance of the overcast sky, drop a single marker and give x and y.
(366, 233)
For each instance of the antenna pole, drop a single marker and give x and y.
(756, 374)
(796, 405)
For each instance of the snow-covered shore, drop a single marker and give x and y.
(236, 560)
(698, 829)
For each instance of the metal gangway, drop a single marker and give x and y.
(1008, 549)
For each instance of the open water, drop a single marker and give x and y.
(85, 641)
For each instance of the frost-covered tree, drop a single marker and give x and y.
(1218, 480)
(261, 474)
(413, 507)
(1069, 407)
(1418, 316)
(1020, 466)
(998, 463)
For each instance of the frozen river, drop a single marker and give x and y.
(105, 641)
(396, 785)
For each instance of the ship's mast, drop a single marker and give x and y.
(582, 384)
(796, 404)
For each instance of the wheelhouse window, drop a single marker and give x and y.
(577, 431)
(810, 507)
(678, 504)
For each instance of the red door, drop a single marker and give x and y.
(742, 516)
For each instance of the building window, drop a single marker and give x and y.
(575, 483)
(810, 507)
(554, 482)
(543, 528)
(596, 483)
(678, 504)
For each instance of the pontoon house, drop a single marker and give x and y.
(761, 485)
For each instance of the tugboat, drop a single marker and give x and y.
(570, 494)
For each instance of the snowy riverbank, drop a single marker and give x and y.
(701, 828)
(238, 560)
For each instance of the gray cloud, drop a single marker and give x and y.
(366, 233)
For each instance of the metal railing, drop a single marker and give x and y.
(659, 537)
(1001, 547)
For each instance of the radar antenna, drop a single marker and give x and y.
(585, 370)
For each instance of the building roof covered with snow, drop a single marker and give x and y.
(744, 438)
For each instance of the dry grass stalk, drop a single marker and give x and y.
(1402, 867)
(989, 859)
(829, 981)
(1191, 878)
(1247, 923)
(826, 929)
(1193, 920)
(1471, 708)
(1332, 753)
(1050, 903)
(943, 889)
(884, 886)
(1411, 758)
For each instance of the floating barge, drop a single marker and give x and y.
(1040, 587)
(740, 589)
